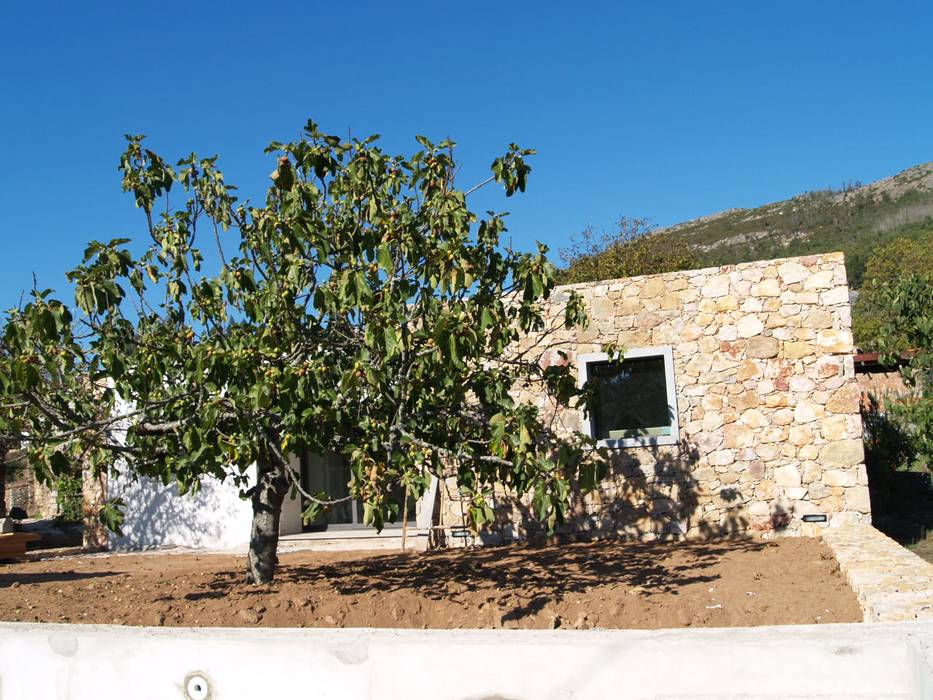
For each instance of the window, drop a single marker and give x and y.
(633, 402)
(331, 474)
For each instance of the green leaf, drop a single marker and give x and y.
(384, 258)
(111, 515)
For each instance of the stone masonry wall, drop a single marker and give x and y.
(766, 395)
(24, 491)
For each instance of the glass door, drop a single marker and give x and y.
(331, 474)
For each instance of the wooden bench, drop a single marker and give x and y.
(13, 545)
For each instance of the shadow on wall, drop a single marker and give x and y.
(901, 497)
(156, 516)
(648, 494)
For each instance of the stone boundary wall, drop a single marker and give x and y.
(892, 583)
(768, 404)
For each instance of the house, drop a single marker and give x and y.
(735, 409)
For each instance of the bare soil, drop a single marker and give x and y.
(607, 584)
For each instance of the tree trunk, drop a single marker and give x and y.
(270, 491)
(3, 452)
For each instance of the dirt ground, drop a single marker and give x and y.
(605, 584)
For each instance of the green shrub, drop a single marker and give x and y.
(70, 498)
(908, 328)
(632, 250)
(889, 262)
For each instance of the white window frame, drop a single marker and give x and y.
(665, 351)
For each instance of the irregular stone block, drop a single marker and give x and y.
(762, 347)
(767, 288)
(749, 325)
(792, 272)
(834, 341)
(787, 475)
(819, 280)
(798, 349)
(835, 296)
(716, 286)
(843, 452)
(721, 457)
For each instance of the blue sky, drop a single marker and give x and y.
(655, 109)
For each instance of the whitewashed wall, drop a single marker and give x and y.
(213, 518)
(156, 516)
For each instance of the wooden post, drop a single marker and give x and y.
(4, 450)
(405, 519)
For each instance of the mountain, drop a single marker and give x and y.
(853, 219)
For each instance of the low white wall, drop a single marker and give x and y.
(829, 661)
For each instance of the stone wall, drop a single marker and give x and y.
(23, 490)
(881, 384)
(766, 395)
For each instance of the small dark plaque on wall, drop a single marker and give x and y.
(814, 518)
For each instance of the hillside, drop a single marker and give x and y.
(854, 219)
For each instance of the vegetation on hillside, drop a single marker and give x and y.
(627, 252)
(885, 230)
(854, 218)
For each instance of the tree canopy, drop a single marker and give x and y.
(887, 264)
(362, 308)
(907, 332)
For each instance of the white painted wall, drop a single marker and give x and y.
(290, 520)
(828, 661)
(156, 516)
(214, 518)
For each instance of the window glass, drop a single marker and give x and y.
(331, 474)
(629, 399)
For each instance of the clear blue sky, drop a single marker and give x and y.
(653, 109)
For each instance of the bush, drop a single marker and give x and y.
(70, 498)
(634, 249)
(908, 332)
(888, 263)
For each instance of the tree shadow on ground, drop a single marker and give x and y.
(903, 510)
(532, 576)
(901, 499)
(52, 577)
(649, 493)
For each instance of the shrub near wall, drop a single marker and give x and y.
(766, 396)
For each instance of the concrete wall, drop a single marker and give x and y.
(766, 399)
(290, 521)
(830, 661)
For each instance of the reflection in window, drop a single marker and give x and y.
(633, 399)
(331, 474)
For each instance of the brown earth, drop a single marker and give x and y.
(606, 584)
